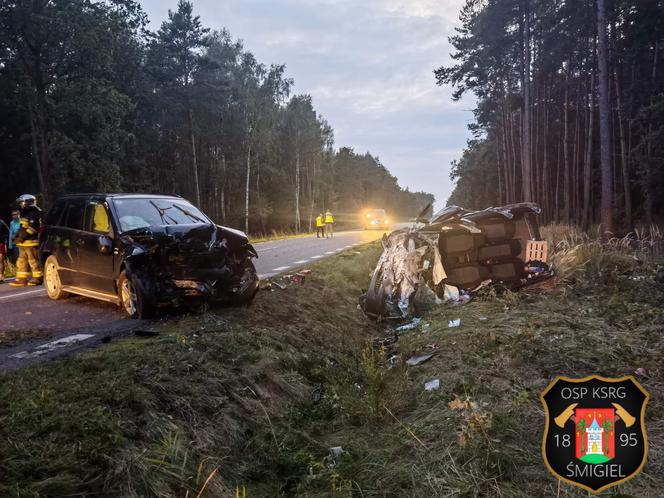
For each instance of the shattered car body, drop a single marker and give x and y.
(455, 253)
(143, 252)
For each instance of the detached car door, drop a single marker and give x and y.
(95, 262)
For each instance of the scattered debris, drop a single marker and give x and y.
(317, 394)
(394, 359)
(454, 323)
(410, 325)
(418, 360)
(432, 385)
(279, 286)
(454, 254)
(483, 318)
(335, 455)
(306, 272)
(642, 372)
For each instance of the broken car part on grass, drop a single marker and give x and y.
(455, 253)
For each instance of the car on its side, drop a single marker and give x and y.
(376, 219)
(143, 252)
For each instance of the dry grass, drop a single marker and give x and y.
(232, 390)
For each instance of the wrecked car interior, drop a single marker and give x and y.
(455, 253)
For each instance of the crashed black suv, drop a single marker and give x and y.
(143, 252)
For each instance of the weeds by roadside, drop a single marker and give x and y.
(257, 397)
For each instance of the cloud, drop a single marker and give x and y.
(368, 65)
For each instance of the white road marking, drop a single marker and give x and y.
(317, 256)
(50, 346)
(300, 261)
(329, 252)
(280, 268)
(26, 293)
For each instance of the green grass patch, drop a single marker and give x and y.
(256, 396)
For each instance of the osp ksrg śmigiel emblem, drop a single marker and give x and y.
(595, 435)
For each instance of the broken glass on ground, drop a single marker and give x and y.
(453, 255)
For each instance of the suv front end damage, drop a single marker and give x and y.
(174, 265)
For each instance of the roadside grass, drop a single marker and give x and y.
(259, 395)
(277, 235)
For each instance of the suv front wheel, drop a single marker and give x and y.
(132, 298)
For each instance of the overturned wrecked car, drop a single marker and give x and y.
(143, 252)
(455, 253)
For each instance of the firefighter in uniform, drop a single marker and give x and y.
(329, 224)
(28, 271)
(320, 226)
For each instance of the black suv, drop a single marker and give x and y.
(142, 252)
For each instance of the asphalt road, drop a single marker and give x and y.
(34, 328)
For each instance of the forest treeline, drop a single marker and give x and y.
(570, 108)
(92, 100)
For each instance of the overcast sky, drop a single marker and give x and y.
(367, 65)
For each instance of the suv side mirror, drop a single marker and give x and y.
(105, 244)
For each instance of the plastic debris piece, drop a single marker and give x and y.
(642, 372)
(483, 318)
(432, 385)
(410, 325)
(306, 272)
(454, 323)
(317, 394)
(278, 285)
(418, 360)
(335, 455)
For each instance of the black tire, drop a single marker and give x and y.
(52, 281)
(245, 292)
(133, 298)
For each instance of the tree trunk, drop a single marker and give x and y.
(297, 182)
(246, 191)
(194, 163)
(35, 151)
(566, 159)
(585, 222)
(526, 154)
(606, 203)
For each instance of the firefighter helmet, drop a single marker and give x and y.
(29, 199)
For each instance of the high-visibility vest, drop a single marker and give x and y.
(319, 221)
(328, 218)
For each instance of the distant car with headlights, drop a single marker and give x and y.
(376, 219)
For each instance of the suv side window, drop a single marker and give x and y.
(55, 213)
(75, 214)
(97, 220)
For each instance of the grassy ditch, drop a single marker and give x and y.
(256, 397)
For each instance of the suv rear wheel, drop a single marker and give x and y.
(132, 298)
(52, 280)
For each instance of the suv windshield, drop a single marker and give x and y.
(377, 213)
(141, 213)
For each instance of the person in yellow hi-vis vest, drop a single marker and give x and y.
(27, 240)
(320, 226)
(329, 224)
